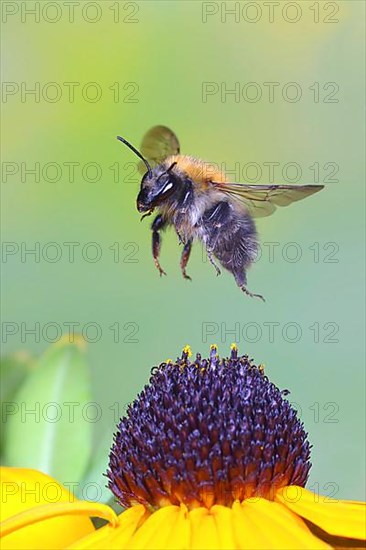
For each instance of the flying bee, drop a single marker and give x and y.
(198, 200)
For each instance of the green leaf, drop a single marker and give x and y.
(52, 429)
(14, 369)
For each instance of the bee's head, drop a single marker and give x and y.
(156, 186)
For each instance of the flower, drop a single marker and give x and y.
(210, 455)
(207, 432)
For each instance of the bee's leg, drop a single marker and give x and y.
(210, 257)
(241, 281)
(157, 224)
(180, 238)
(251, 294)
(184, 259)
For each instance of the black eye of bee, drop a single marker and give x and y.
(166, 183)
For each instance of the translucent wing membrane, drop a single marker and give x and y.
(262, 200)
(158, 144)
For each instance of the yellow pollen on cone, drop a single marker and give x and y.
(187, 350)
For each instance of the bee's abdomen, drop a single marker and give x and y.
(231, 236)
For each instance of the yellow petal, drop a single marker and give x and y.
(169, 528)
(113, 537)
(166, 529)
(262, 524)
(247, 535)
(59, 509)
(223, 518)
(204, 535)
(182, 531)
(24, 490)
(159, 530)
(338, 517)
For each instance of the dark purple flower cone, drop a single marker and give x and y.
(207, 432)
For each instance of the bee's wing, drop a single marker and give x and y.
(158, 144)
(262, 200)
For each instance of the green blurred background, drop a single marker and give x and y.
(161, 54)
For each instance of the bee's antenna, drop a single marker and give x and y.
(136, 153)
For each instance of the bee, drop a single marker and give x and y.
(196, 198)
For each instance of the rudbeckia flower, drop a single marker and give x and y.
(210, 455)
